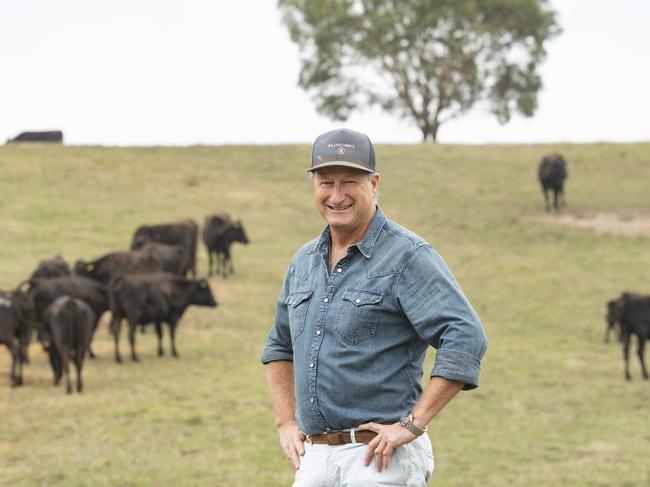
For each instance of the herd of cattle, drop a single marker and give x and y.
(147, 284)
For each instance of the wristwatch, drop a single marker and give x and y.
(407, 422)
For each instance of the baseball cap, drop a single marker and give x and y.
(343, 147)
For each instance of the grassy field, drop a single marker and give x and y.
(552, 409)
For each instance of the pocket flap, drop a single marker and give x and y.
(294, 299)
(361, 297)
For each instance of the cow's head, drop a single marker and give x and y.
(613, 317)
(202, 295)
(238, 233)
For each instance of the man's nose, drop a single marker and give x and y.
(337, 196)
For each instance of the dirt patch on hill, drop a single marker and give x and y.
(626, 225)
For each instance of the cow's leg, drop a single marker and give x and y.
(116, 324)
(24, 340)
(626, 353)
(55, 362)
(91, 354)
(220, 264)
(19, 357)
(555, 195)
(23, 344)
(172, 335)
(132, 328)
(209, 262)
(224, 264)
(65, 368)
(15, 358)
(229, 260)
(78, 362)
(640, 353)
(159, 332)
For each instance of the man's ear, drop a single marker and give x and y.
(374, 181)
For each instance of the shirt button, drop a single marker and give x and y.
(325, 300)
(317, 332)
(357, 301)
(311, 365)
(311, 399)
(339, 270)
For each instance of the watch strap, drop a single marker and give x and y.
(407, 422)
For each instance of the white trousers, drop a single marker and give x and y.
(342, 466)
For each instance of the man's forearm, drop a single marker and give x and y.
(435, 396)
(279, 376)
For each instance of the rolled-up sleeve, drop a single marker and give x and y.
(442, 316)
(278, 344)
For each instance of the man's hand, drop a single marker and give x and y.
(388, 438)
(292, 441)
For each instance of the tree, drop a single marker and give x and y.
(427, 60)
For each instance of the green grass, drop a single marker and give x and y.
(552, 409)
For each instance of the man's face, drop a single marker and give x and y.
(345, 197)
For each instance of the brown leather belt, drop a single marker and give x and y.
(334, 438)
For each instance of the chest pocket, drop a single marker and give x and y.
(357, 317)
(297, 306)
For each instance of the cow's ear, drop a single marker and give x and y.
(90, 267)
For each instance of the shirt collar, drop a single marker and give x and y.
(365, 245)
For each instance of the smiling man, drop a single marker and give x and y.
(359, 307)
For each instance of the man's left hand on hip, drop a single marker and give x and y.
(388, 438)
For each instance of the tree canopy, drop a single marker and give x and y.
(426, 60)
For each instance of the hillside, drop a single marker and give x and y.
(552, 409)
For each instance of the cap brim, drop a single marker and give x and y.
(340, 163)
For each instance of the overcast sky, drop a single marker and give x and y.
(179, 72)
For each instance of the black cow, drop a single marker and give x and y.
(66, 334)
(633, 315)
(47, 136)
(114, 264)
(552, 172)
(183, 233)
(44, 291)
(154, 298)
(15, 321)
(214, 226)
(54, 267)
(219, 235)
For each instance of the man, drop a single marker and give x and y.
(359, 307)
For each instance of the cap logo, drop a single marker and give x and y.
(340, 151)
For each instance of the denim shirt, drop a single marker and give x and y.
(357, 336)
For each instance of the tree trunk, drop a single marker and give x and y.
(430, 131)
(434, 132)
